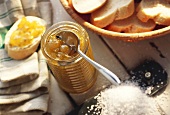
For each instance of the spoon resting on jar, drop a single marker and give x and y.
(106, 73)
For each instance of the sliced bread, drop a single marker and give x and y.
(158, 10)
(112, 10)
(87, 6)
(131, 25)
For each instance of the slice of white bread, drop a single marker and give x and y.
(131, 25)
(112, 10)
(158, 10)
(87, 6)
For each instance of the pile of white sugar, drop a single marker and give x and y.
(126, 99)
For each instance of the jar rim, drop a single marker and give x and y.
(67, 25)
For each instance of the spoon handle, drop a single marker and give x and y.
(107, 73)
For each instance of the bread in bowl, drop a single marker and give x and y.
(157, 10)
(86, 6)
(112, 10)
(84, 20)
(24, 37)
(131, 25)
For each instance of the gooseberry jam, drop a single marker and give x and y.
(59, 49)
(25, 33)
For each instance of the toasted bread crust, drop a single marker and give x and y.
(22, 53)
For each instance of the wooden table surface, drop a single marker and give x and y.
(117, 56)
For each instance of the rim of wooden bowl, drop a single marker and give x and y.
(129, 37)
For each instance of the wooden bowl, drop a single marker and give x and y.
(130, 37)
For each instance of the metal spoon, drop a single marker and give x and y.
(107, 73)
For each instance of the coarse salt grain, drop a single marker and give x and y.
(126, 99)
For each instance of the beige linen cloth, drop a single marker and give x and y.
(24, 84)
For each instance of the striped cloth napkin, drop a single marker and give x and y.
(24, 84)
(14, 72)
(28, 96)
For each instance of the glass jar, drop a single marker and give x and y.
(73, 74)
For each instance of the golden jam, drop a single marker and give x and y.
(72, 72)
(59, 49)
(25, 33)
